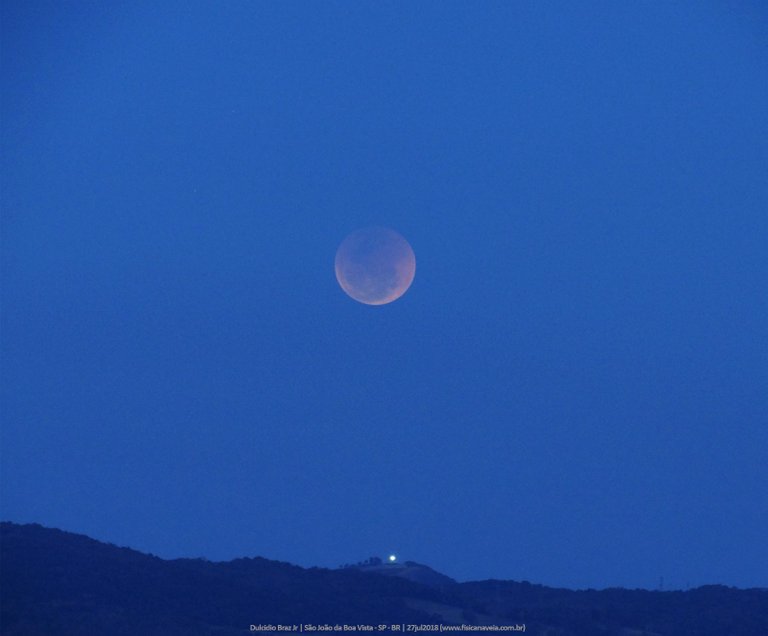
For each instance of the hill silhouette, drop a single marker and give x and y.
(409, 570)
(55, 582)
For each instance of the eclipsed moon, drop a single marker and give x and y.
(375, 265)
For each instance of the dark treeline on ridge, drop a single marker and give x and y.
(55, 582)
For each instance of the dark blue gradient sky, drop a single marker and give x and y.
(575, 389)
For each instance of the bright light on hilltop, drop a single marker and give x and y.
(392, 558)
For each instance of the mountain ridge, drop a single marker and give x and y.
(57, 582)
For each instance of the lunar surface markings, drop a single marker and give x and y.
(375, 265)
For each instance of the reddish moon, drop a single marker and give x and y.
(375, 265)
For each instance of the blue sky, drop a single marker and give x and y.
(574, 391)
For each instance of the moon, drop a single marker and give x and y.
(375, 265)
